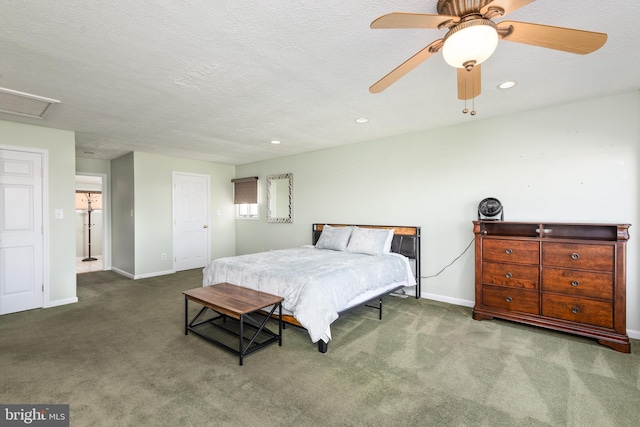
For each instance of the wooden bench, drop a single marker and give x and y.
(228, 300)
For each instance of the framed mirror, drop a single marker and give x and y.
(280, 198)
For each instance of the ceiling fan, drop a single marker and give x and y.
(473, 36)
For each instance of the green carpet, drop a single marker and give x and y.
(119, 357)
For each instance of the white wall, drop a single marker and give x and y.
(573, 163)
(60, 148)
(86, 166)
(154, 210)
(122, 215)
(141, 210)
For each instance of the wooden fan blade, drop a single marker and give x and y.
(405, 67)
(411, 20)
(507, 5)
(558, 38)
(469, 82)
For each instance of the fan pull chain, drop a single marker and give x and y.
(473, 100)
(465, 111)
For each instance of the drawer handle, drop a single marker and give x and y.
(508, 275)
(545, 230)
(575, 255)
(575, 310)
(574, 283)
(508, 299)
(509, 251)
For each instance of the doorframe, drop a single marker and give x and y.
(106, 218)
(44, 154)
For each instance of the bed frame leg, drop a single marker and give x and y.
(322, 346)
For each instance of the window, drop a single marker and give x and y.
(245, 197)
(247, 211)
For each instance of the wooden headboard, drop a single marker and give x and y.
(406, 241)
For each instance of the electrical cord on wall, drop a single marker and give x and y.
(451, 263)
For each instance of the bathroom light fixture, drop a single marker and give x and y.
(275, 142)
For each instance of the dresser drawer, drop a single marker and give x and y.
(513, 275)
(578, 283)
(576, 255)
(522, 300)
(568, 277)
(516, 251)
(581, 310)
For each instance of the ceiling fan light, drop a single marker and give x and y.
(474, 40)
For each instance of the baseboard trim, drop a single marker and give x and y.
(122, 273)
(154, 274)
(59, 302)
(449, 300)
(633, 334)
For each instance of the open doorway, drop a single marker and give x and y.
(91, 223)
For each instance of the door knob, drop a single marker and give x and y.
(205, 226)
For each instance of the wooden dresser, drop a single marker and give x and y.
(561, 276)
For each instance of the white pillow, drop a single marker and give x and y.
(370, 241)
(387, 244)
(334, 238)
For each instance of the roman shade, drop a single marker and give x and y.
(245, 190)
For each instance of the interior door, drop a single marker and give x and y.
(21, 231)
(190, 221)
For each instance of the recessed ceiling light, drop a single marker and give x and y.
(362, 120)
(507, 85)
(275, 142)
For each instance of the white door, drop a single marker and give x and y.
(21, 231)
(190, 221)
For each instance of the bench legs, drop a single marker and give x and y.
(244, 319)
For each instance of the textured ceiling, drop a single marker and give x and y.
(217, 80)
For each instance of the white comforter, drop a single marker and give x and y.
(315, 283)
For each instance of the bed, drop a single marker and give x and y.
(345, 267)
